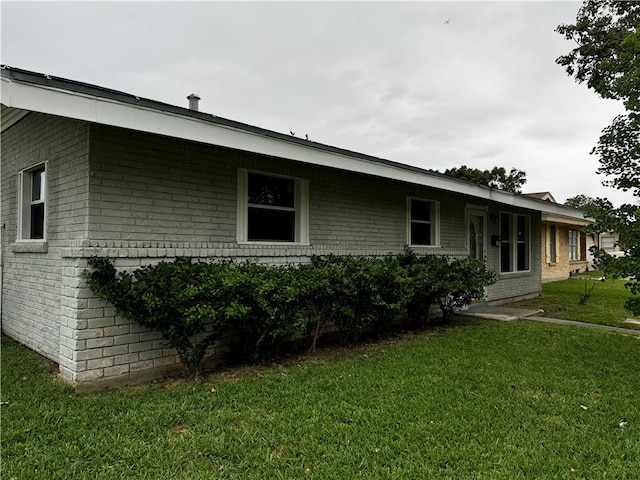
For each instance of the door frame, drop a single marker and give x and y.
(476, 211)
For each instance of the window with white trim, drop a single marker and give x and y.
(272, 208)
(515, 233)
(423, 222)
(574, 243)
(32, 204)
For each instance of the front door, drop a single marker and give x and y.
(476, 231)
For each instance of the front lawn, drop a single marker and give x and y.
(477, 400)
(605, 306)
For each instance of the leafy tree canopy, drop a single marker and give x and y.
(580, 201)
(607, 59)
(494, 178)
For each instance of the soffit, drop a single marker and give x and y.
(10, 116)
(29, 91)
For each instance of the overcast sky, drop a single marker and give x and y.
(431, 84)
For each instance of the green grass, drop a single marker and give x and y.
(477, 400)
(605, 307)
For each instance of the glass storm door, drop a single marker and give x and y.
(476, 231)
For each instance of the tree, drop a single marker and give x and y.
(596, 208)
(582, 202)
(607, 59)
(494, 178)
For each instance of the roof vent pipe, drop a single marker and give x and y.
(194, 98)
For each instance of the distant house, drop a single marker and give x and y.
(546, 196)
(90, 171)
(564, 244)
(610, 243)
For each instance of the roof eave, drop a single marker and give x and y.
(153, 117)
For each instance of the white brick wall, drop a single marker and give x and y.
(140, 198)
(31, 298)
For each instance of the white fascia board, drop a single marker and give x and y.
(105, 111)
(580, 222)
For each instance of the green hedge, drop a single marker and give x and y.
(263, 308)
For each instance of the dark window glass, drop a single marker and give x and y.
(37, 221)
(271, 191)
(523, 257)
(420, 210)
(420, 234)
(505, 257)
(271, 225)
(522, 228)
(505, 226)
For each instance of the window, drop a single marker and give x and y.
(515, 240)
(32, 211)
(552, 244)
(423, 223)
(272, 208)
(574, 242)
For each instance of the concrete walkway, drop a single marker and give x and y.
(511, 314)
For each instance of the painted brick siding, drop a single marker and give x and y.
(31, 278)
(141, 198)
(155, 192)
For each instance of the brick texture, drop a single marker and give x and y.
(140, 198)
(563, 266)
(31, 297)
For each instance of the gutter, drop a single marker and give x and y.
(31, 91)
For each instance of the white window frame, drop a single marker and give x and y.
(574, 247)
(512, 243)
(434, 223)
(25, 202)
(301, 208)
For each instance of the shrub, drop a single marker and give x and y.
(463, 281)
(319, 284)
(359, 294)
(262, 308)
(440, 280)
(425, 275)
(268, 316)
(177, 298)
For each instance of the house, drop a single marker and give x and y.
(88, 171)
(564, 244)
(610, 243)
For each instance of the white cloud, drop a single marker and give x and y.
(430, 84)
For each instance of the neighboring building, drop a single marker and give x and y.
(90, 171)
(564, 244)
(609, 242)
(546, 196)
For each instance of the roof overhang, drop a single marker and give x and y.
(550, 218)
(10, 116)
(23, 91)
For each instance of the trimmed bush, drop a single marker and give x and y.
(261, 309)
(440, 280)
(177, 298)
(358, 294)
(268, 314)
